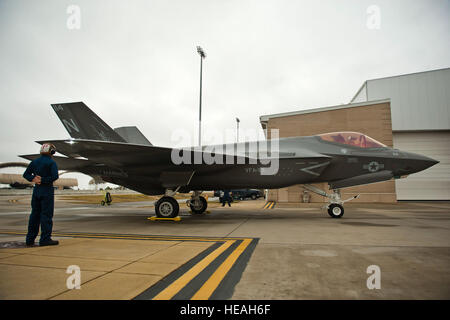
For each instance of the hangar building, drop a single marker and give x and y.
(410, 112)
(420, 111)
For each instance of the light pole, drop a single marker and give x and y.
(237, 129)
(202, 56)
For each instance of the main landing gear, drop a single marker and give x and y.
(168, 207)
(335, 206)
(197, 203)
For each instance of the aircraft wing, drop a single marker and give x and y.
(111, 153)
(126, 154)
(63, 163)
(123, 154)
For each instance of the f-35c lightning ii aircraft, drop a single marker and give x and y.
(123, 156)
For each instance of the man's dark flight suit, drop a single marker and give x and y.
(226, 198)
(42, 201)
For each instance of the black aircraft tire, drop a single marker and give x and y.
(167, 207)
(335, 210)
(202, 209)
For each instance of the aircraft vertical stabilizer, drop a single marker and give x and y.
(132, 135)
(82, 123)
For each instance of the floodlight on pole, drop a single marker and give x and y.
(237, 129)
(201, 52)
(202, 56)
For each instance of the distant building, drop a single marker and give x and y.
(17, 181)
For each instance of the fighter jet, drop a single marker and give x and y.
(124, 156)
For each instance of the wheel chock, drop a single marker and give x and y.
(164, 219)
(207, 211)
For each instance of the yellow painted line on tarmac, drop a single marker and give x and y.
(181, 282)
(207, 288)
(56, 234)
(216, 278)
(130, 237)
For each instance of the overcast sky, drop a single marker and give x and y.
(135, 62)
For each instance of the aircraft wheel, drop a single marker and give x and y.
(200, 206)
(167, 207)
(335, 210)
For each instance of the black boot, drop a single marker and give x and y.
(49, 243)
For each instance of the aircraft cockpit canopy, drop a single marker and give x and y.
(354, 139)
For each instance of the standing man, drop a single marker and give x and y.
(221, 195)
(226, 198)
(42, 171)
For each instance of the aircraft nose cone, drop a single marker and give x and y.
(426, 162)
(418, 162)
(432, 161)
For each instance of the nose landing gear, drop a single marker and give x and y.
(335, 210)
(335, 206)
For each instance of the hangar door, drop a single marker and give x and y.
(432, 183)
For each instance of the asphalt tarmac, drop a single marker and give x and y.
(375, 251)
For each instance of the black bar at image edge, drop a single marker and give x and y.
(232, 309)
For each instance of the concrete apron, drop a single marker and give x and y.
(115, 266)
